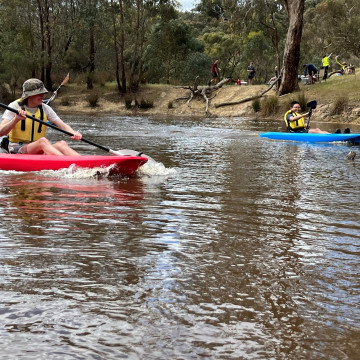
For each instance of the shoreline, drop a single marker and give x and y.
(173, 101)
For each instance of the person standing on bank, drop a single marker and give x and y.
(215, 71)
(27, 136)
(325, 65)
(251, 73)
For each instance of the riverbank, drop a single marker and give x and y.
(167, 100)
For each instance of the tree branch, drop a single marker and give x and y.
(249, 98)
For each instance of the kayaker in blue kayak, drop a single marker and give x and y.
(27, 136)
(295, 121)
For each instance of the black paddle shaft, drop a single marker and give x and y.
(311, 105)
(56, 128)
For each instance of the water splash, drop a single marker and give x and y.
(154, 168)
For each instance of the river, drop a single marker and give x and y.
(226, 246)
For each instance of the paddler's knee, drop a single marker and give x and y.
(62, 144)
(44, 141)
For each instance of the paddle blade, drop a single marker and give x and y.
(67, 77)
(312, 104)
(129, 152)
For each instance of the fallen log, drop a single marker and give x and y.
(204, 92)
(249, 98)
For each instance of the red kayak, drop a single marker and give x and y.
(123, 165)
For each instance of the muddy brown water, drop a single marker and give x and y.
(229, 246)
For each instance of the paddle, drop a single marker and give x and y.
(64, 82)
(311, 105)
(119, 153)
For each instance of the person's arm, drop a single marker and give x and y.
(60, 124)
(54, 119)
(10, 119)
(336, 58)
(294, 118)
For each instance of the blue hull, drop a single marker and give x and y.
(306, 137)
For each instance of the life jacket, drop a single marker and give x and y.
(29, 130)
(300, 123)
(325, 61)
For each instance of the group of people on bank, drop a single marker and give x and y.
(311, 72)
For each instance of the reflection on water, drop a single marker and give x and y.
(228, 247)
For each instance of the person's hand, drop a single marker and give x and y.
(21, 115)
(76, 136)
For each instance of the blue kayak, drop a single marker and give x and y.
(311, 137)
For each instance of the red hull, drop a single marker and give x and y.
(123, 165)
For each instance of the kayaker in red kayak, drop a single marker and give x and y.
(27, 136)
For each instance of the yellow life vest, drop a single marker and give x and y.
(325, 61)
(296, 124)
(29, 130)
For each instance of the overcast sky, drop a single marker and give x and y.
(187, 5)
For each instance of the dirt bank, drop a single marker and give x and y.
(172, 101)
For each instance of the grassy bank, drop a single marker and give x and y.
(338, 100)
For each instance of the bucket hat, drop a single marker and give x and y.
(33, 87)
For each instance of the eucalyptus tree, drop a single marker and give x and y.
(258, 28)
(291, 59)
(332, 26)
(16, 49)
(117, 16)
(36, 35)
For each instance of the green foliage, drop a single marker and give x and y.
(258, 50)
(157, 43)
(169, 47)
(211, 8)
(336, 24)
(256, 105)
(197, 64)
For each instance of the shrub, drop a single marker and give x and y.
(256, 105)
(339, 106)
(65, 101)
(170, 105)
(93, 99)
(270, 105)
(145, 103)
(128, 100)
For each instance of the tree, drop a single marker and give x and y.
(169, 46)
(291, 59)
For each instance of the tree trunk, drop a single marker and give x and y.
(289, 71)
(116, 48)
(122, 48)
(42, 34)
(48, 39)
(90, 76)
